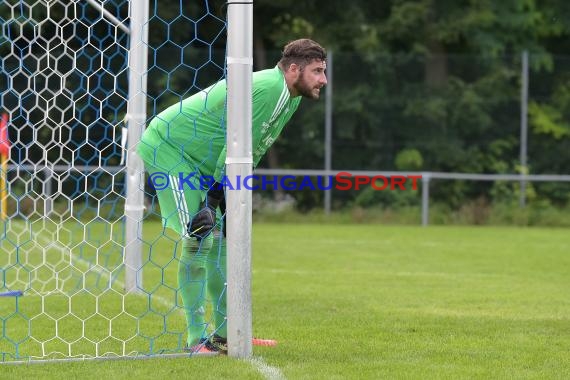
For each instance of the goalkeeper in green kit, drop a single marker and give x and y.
(186, 143)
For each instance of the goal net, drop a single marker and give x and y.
(77, 77)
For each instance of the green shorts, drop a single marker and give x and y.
(179, 194)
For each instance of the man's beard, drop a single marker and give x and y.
(303, 88)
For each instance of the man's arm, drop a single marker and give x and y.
(221, 165)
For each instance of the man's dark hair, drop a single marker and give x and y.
(302, 52)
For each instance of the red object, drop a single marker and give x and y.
(4, 141)
(264, 342)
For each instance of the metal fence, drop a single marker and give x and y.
(45, 176)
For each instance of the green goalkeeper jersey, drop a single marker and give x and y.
(194, 130)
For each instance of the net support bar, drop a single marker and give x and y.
(136, 119)
(239, 163)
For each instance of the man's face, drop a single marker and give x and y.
(311, 79)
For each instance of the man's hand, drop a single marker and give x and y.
(203, 222)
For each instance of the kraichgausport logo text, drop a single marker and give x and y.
(342, 181)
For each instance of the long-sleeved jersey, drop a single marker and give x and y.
(194, 130)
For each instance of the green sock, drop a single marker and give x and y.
(217, 284)
(192, 284)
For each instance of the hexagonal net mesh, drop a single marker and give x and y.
(64, 77)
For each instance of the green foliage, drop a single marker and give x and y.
(396, 199)
(444, 78)
(439, 76)
(409, 160)
(551, 118)
(480, 211)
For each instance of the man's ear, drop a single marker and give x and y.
(294, 68)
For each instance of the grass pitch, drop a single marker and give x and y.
(370, 302)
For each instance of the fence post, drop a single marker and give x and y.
(425, 199)
(328, 127)
(524, 126)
